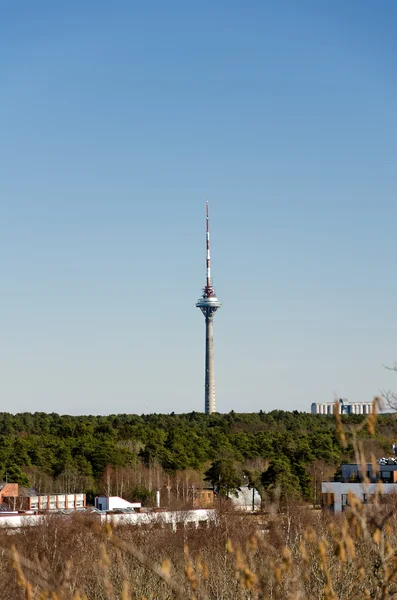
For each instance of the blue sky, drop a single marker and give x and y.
(116, 120)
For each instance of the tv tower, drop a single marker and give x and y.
(209, 304)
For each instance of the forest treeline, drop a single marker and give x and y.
(132, 455)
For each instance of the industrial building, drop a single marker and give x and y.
(209, 304)
(117, 511)
(344, 406)
(335, 494)
(108, 509)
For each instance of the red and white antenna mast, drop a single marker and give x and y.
(208, 290)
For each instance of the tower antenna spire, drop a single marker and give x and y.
(209, 291)
(209, 304)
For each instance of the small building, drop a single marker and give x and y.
(109, 503)
(335, 494)
(247, 499)
(203, 497)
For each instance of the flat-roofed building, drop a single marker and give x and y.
(53, 501)
(363, 484)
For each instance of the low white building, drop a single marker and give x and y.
(108, 503)
(53, 501)
(336, 494)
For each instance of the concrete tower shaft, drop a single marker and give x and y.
(210, 406)
(209, 304)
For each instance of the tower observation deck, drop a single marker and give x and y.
(209, 304)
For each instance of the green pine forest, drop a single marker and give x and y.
(132, 455)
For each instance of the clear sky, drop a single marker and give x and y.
(116, 120)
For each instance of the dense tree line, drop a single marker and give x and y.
(88, 453)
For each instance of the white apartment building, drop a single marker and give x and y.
(345, 408)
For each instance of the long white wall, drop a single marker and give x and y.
(172, 518)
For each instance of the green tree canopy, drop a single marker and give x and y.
(224, 477)
(13, 473)
(278, 480)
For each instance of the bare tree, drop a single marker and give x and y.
(319, 471)
(389, 396)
